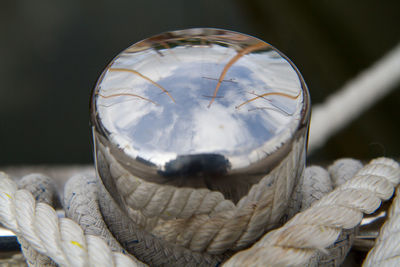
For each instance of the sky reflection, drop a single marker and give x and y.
(165, 107)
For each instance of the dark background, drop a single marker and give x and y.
(52, 52)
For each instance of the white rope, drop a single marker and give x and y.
(165, 202)
(316, 184)
(294, 244)
(386, 251)
(60, 239)
(42, 189)
(343, 169)
(354, 98)
(340, 172)
(80, 205)
(17, 260)
(202, 220)
(318, 227)
(82, 195)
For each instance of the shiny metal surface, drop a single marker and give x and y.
(200, 107)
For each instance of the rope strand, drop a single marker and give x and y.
(386, 250)
(202, 220)
(49, 235)
(318, 227)
(297, 243)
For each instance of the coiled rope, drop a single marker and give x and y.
(300, 241)
(203, 220)
(386, 251)
(82, 196)
(318, 227)
(62, 239)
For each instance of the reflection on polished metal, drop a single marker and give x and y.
(200, 108)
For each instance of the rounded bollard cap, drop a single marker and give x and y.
(200, 108)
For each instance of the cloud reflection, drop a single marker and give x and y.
(189, 125)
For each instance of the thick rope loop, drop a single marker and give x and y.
(43, 191)
(82, 195)
(386, 250)
(294, 244)
(203, 220)
(316, 228)
(60, 239)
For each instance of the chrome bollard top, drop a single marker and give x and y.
(200, 108)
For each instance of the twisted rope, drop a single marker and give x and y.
(42, 189)
(339, 172)
(386, 250)
(82, 195)
(298, 242)
(202, 220)
(318, 227)
(60, 239)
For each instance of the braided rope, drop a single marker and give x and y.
(372, 182)
(318, 227)
(321, 183)
(316, 183)
(386, 250)
(60, 239)
(80, 205)
(202, 220)
(82, 195)
(17, 260)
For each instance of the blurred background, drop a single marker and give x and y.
(52, 52)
